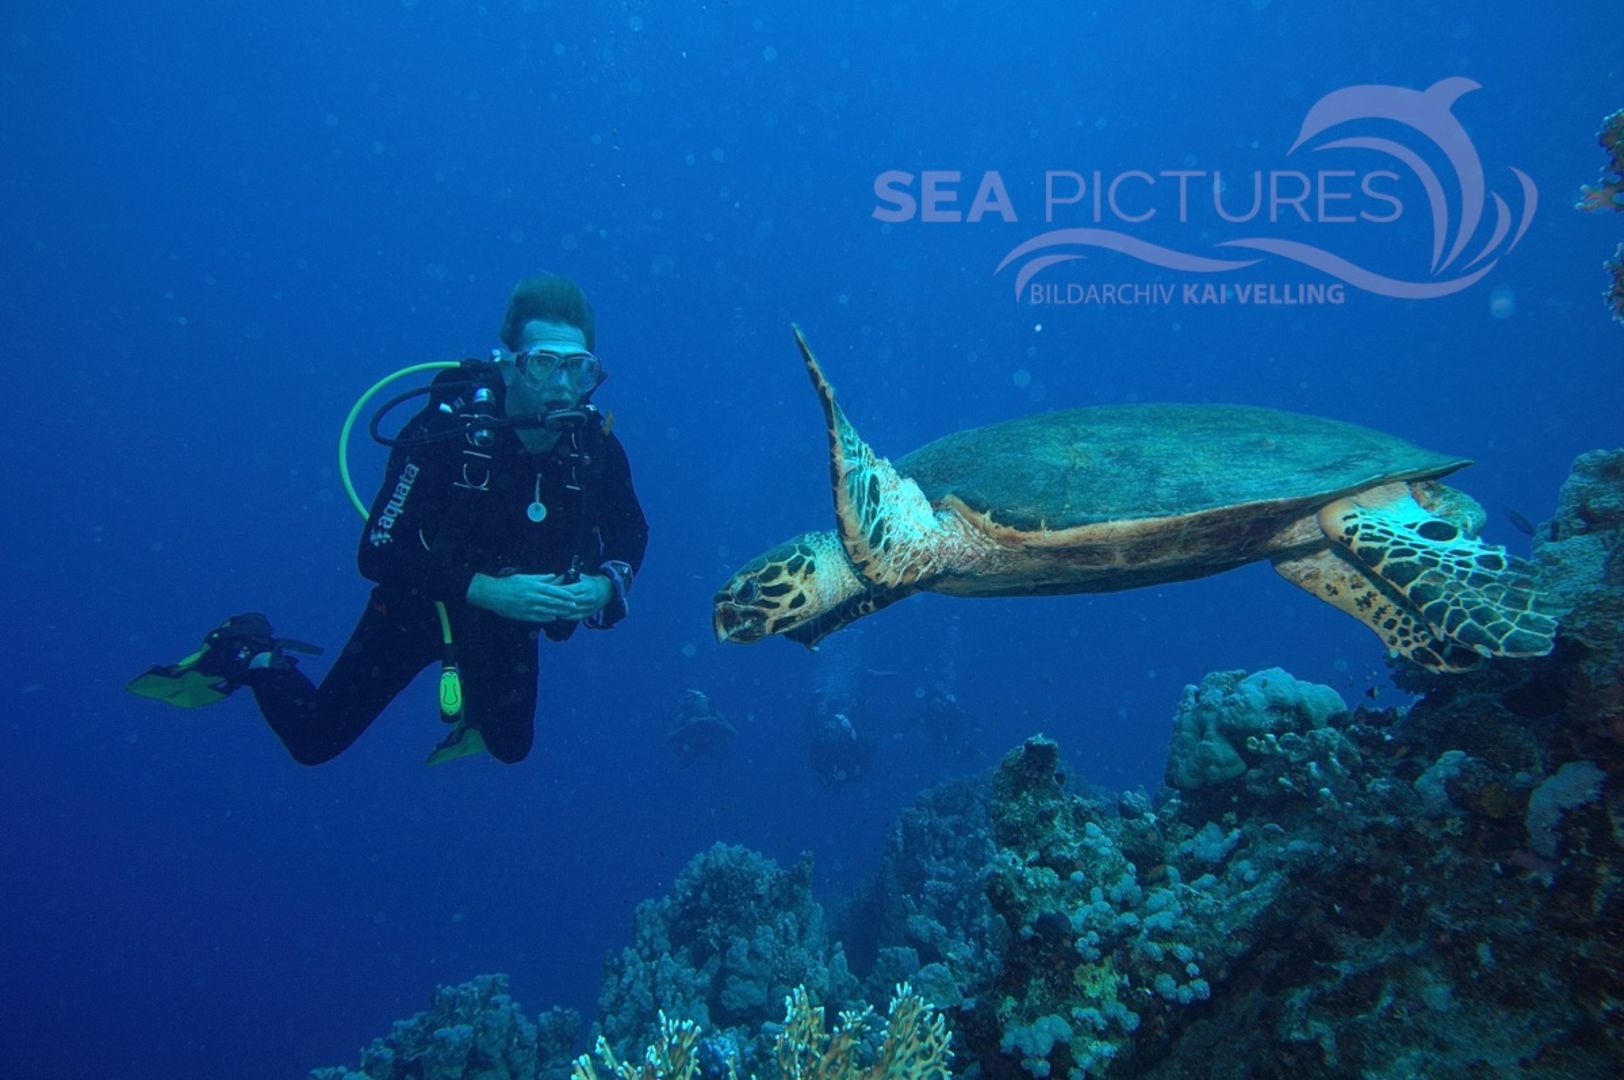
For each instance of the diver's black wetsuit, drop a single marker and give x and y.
(447, 510)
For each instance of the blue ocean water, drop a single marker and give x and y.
(224, 223)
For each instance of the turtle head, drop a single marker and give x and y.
(787, 590)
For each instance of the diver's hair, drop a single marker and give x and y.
(550, 298)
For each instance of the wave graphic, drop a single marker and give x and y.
(1427, 112)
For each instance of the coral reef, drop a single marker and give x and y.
(1430, 891)
(1229, 714)
(724, 949)
(911, 1043)
(673, 1054)
(1608, 194)
(1581, 557)
(926, 918)
(472, 1032)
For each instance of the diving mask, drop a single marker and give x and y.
(580, 371)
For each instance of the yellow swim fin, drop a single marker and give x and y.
(182, 684)
(462, 741)
(218, 666)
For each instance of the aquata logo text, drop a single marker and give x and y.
(384, 532)
(1416, 158)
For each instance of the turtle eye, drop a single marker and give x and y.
(746, 593)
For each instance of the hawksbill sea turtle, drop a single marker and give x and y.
(1124, 496)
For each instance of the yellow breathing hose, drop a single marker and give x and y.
(450, 679)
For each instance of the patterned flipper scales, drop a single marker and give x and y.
(1336, 579)
(1468, 593)
(887, 526)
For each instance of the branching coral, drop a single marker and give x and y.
(913, 1045)
(672, 1056)
(914, 1042)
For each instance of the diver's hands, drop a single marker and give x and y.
(540, 598)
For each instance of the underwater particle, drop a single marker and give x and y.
(636, 23)
(1022, 378)
(769, 54)
(717, 155)
(331, 120)
(843, 299)
(690, 650)
(1037, 328)
(1503, 302)
(559, 48)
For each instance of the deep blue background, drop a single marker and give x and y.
(221, 223)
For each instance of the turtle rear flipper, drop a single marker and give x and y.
(889, 529)
(1467, 593)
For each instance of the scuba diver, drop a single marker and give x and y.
(507, 512)
(837, 754)
(834, 749)
(700, 731)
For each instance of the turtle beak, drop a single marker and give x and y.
(738, 611)
(733, 621)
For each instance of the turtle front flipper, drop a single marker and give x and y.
(1334, 578)
(889, 529)
(1467, 593)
